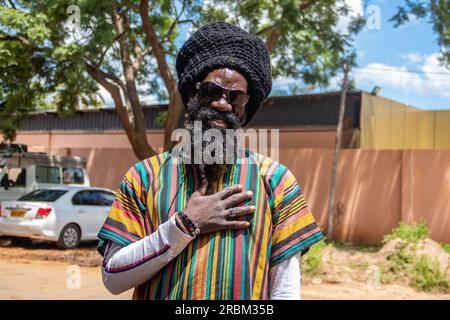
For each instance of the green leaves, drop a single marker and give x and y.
(37, 49)
(31, 25)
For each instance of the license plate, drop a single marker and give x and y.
(18, 213)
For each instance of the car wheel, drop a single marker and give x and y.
(20, 242)
(69, 237)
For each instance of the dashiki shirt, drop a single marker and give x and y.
(229, 264)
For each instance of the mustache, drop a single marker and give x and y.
(202, 112)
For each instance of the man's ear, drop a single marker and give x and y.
(192, 92)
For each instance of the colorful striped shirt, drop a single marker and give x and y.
(229, 264)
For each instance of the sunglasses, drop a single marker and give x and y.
(214, 92)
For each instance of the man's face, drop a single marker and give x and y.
(231, 80)
(221, 112)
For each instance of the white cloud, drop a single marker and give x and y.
(106, 97)
(433, 81)
(413, 57)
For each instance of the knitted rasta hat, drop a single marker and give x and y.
(218, 45)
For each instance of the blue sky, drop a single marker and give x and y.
(402, 61)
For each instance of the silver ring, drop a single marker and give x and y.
(232, 213)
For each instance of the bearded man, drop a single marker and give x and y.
(187, 230)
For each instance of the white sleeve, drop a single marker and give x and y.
(285, 280)
(127, 267)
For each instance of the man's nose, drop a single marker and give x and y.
(222, 105)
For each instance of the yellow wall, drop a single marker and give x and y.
(387, 124)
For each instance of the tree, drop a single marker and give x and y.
(438, 14)
(129, 48)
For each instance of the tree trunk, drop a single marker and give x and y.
(175, 110)
(140, 144)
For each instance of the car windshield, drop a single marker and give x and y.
(43, 195)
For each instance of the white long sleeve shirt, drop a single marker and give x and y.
(130, 266)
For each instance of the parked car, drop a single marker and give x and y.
(65, 215)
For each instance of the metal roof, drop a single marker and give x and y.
(24, 159)
(309, 110)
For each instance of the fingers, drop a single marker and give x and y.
(239, 212)
(237, 198)
(225, 193)
(201, 191)
(203, 188)
(237, 225)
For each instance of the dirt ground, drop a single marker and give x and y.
(40, 271)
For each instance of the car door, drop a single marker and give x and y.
(106, 200)
(87, 206)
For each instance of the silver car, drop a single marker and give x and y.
(65, 215)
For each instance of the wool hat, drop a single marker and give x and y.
(218, 45)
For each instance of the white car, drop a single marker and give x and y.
(65, 215)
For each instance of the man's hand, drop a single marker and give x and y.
(211, 213)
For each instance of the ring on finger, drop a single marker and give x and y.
(232, 213)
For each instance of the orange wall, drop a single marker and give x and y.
(375, 188)
(289, 138)
(368, 189)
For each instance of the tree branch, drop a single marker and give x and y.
(157, 49)
(305, 5)
(272, 40)
(12, 4)
(264, 30)
(130, 5)
(175, 22)
(120, 23)
(114, 91)
(23, 40)
(140, 55)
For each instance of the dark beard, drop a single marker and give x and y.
(200, 111)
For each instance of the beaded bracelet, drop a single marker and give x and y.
(194, 231)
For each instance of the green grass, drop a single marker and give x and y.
(408, 232)
(423, 272)
(401, 259)
(354, 246)
(358, 265)
(446, 247)
(427, 276)
(311, 261)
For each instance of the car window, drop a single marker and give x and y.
(14, 177)
(107, 198)
(84, 198)
(18, 176)
(47, 174)
(73, 176)
(93, 198)
(43, 195)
